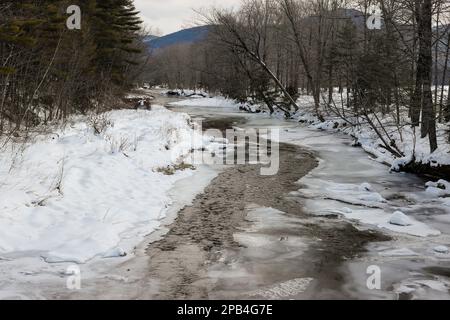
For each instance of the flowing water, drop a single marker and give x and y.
(311, 238)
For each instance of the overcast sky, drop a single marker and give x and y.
(172, 15)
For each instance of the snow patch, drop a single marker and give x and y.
(438, 189)
(215, 102)
(402, 252)
(114, 253)
(400, 219)
(75, 195)
(441, 249)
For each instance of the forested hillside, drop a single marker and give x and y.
(48, 71)
(186, 36)
(273, 51)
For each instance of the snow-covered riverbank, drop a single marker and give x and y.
(74, 195)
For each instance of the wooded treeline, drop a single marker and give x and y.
(275, 50)
(48, 72)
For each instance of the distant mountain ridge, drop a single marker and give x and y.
(150, 38)
(197, 34)
(186, 36)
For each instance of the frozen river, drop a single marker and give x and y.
(346, 186)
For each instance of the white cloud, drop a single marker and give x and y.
(173, 15)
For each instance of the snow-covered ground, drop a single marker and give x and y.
(73, 195)
(398, 131)
(214, 102)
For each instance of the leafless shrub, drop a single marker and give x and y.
(100, 123)
(119, 145)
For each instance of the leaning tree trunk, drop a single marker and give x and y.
(276, 80)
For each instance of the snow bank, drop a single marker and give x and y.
(320, 202)
(75, 195)
(400, 219)
(401, 252)
(216, 102)
(441, 249)
(438, 189)
(356, 202)
(345, 192)
(406, 139)
(185, 93)
(380, 219)
(418, 288)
